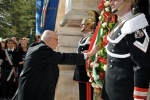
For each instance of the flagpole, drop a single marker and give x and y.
(31, 37)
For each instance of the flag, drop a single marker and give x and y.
(92, 44)
(0, 38)
(31, 37)
(46, 13)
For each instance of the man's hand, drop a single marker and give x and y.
(20, 63)
(85, 51)
(93, 51)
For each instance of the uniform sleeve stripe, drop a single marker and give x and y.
(140, 93)
(141, 89)
(136, 97)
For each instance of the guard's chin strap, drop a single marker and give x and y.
(122, 6)
(88, 26)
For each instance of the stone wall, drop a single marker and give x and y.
(67, 89)
(68, 28)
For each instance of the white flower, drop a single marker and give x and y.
(92, 75)
(104, 24)
(102, 12)
(91, 64)
(100, 17)
(88, 74)
(107, 9)
(90, 80)
(96, 64)
(106, 3)
(95, 85)
(105, 67)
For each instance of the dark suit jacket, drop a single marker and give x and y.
(40, 71)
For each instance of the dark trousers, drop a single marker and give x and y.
(8, 87)
(82, 91)
(0, 88)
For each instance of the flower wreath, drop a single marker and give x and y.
(97, 64)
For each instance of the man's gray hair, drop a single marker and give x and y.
(46, 34)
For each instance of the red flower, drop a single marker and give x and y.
(103, 60)
(107, 16)
(102, 75)
(103, 44)
(113, 18)
(105, 39)
(98, 90)
(101, 6)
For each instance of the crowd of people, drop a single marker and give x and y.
(12, 54)
(128, 61)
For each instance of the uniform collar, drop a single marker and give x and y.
(135, 23)
(89, 33)
(10, 49)
(126, 17)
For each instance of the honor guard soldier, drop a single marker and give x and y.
(128, 63)
(80, 74)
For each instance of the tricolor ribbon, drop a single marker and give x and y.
(8, 57)
(11, 63)
(43, 17)
(88, 85)
(10, 74)
(94, 72)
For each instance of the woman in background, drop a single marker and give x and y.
(22, 50)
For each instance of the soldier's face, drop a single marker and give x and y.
(115, 4)
(83, 27)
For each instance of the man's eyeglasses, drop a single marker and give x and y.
(54, 38)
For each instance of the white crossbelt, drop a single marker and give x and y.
(117, 55)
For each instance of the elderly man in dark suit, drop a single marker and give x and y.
(40, 70)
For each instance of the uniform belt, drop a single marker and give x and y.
(117, 55)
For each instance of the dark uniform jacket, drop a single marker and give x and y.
(128, 69)
(40, 71)
(80, 73)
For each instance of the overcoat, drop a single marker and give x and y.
(40, 71)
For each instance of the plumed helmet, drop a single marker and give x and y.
(89, 22)
(92, 22)
(142, 6)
